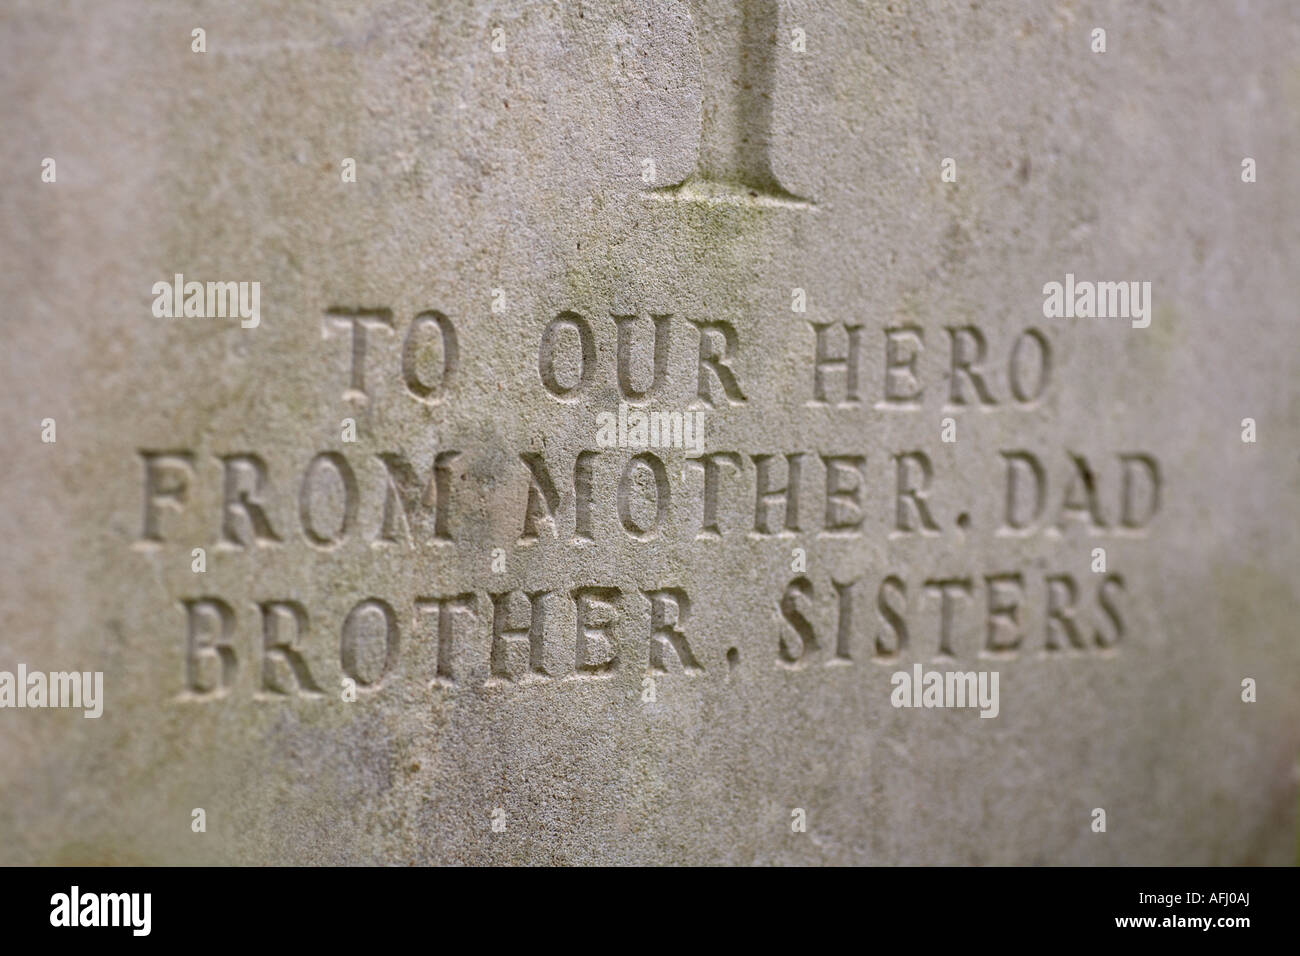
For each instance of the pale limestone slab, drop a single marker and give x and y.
(523, 169)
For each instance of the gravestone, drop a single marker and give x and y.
(730, 432)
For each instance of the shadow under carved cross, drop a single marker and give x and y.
(738, 44)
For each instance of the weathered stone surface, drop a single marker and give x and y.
(522, 171)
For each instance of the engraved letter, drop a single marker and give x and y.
(166, 483)
(596, 652)
(210, 660)
(585, 361)
(669, 610)
(365, 659)
(283, 666)
(413, 351)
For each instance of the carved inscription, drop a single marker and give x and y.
(782, 498)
